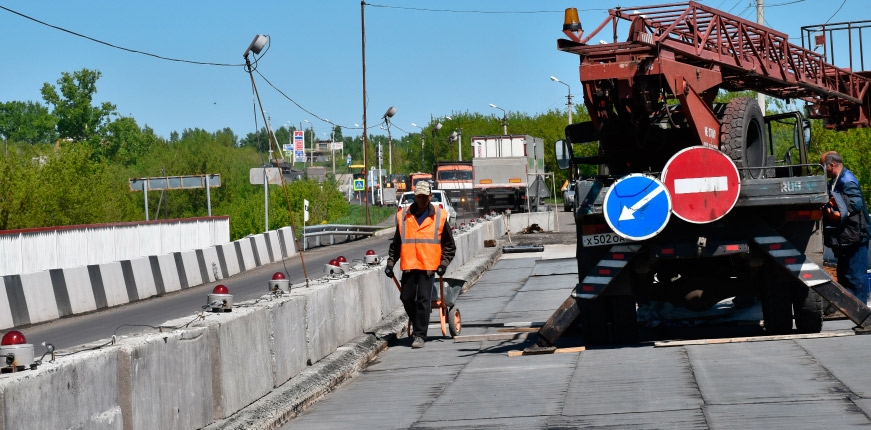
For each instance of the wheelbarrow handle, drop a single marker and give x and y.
(396, 282)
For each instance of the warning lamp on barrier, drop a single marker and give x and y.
(371, 258)
(343, 262)
(333, 267)
(279, 283)
(15, 352)
(220, 300)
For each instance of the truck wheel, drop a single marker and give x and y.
(594, 321)
(624, 326)
(776, 304)
(808, 309)
(742, 135)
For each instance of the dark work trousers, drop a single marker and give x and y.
(416, 297)
(852, 269)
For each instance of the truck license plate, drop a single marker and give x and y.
(601, 239)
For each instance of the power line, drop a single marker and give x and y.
(116, 46)
(497, 12)
(836, 12)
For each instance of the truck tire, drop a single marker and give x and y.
(776, 300)
(742, 135)
(594, 321)
(624, 322)
(808, 309)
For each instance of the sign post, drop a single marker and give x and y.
(637, 207)
(703, 182)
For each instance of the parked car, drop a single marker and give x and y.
(439, 198)
(569, 197)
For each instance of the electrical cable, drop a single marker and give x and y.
(836, 12)
(119, 47)
(496, 12)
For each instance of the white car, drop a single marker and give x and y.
(439, 198)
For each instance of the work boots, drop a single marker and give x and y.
(418, 342)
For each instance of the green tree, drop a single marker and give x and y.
(77, 119)
(26, 122)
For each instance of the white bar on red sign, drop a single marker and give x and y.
(701, 185)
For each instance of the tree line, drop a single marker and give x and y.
(68, 160)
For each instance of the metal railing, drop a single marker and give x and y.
(315, 233)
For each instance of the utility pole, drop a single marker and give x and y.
(365, 141)
(333, 151)
(759, 20)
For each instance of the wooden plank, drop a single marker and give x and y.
(517, 329)
(668, 343)
(492, 336)
(556, 351)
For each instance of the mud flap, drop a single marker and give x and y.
(812, 275)
(593, 285)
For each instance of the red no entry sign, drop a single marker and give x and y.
(703, 183)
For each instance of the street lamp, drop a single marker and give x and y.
(553, 78)
(504, 119)
(422, 139)
(435, 128)
(453, 138)
(387, 115)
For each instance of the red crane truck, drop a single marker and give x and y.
(695, 202)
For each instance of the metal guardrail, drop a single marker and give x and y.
(350, 232)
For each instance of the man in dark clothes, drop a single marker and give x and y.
(424, 246)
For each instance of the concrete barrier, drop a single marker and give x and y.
(207, 368)
(519, 221)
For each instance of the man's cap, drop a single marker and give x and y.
(423, 188)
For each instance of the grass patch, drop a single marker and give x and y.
(357, 215)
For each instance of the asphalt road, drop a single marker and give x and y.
(140, 316)
(784, 384)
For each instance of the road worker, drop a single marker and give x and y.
(847, 226)
(424, 246)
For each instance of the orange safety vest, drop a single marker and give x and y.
(421, 244)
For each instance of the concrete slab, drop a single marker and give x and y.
(667, 375)
(514, 261)
(143, 276)
(839, 357)
(407, 390)
(5, 310)
(114, 284)
(492, 290)
(169, 272)
(811, 415)
(247, 253)
(552, 252)
(519, 423)
(525, 388)
(80, 391)
(558, 266)
(243, 375)
(167, 376)
(671, 419)
(551, 282)
(503, 276)
(479, 310)
(538, 300)
(79, 289)
(321, 330)
(39, 294)
(289, 354)
(192, 268)
(746, 373)
(348, 309)
(370, 297)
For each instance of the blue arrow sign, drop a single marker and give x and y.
(637, 207)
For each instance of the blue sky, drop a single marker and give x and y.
(423, 62)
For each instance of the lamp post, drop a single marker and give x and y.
(504, 119)
(422, 138)
(453, 137)
(311, 147)
(553, 78)
(435, 128)
(387, 115)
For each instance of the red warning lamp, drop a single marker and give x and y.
(333, 262)
(277, 276)
(341, 259)
(221, 289)
(370, 252)
(13, 337)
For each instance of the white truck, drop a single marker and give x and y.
(507, 173)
